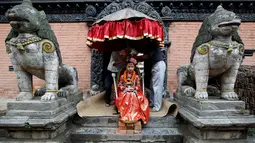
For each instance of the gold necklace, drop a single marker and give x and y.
(132, 78)
(21, 43)
(228, 46)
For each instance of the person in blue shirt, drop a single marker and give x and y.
(155, 55)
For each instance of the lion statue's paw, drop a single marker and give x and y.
(40, 91)
(213, 91)
(188, 91)
(229, 95)
(63, 93)
(201, 95)
(67, 91)
(49, 96)
(24, 96)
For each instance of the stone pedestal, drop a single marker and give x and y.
(35, 119)
(215, 119)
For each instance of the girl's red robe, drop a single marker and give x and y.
(132, 104)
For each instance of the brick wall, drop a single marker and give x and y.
(72, 41)
(72, 38)
(8, 83)
(182, 36)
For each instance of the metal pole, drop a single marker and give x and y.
(115, 86)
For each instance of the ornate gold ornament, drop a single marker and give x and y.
(203, 49)
(8, 48)
(48, 47)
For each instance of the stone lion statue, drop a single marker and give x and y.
(217, 53)
(34, 50)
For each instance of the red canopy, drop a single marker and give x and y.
(113, 35)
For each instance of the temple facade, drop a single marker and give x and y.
(71, 20)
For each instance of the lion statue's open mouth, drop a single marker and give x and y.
(16, 22)
(231, 23)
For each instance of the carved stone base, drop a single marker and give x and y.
(190, 139)
(36, 119)
(37, 133)
(220, 133)
(215, 119)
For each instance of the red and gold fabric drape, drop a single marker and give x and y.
(125, 29)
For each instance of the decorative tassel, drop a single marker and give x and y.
(20, 47)
(230, 48)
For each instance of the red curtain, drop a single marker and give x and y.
(126, 29)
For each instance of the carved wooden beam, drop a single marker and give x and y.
(168, 10)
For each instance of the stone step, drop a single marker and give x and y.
(213, 107)
(154, 122)
(3, 105)
(3, 133)
(37, 105)
(213, 103)
(83, 135)
(218, 122)
(194, 140)
(189, 137)
(17, 122)
(40, 114)
(38, 109)
(2, 112)
(214, 113)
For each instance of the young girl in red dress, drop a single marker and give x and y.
(131, 102)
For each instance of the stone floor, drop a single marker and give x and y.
(3, 105)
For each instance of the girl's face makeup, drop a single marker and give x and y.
(130, 67)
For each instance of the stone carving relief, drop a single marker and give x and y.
(139, 5)
(166, 11)
(97, 62)
(91, 11)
